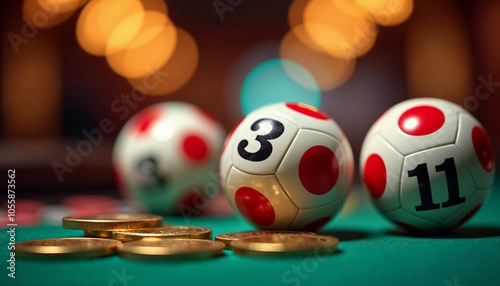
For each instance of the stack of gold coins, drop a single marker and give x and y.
(137, 236)
(286, 244)
(227, 238)
(278, 243)
(145, 236)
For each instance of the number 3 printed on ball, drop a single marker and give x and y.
(266, 148)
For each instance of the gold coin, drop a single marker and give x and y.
(110, 234)
(280, 244)
(175, 248)
(164, 232)
(112, 221)
(68, 247)
(98, 233)
(228, 237)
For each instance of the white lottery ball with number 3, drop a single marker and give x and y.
(287, 166)
(427, 164)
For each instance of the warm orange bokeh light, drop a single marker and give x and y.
(155, 5)
(99, 18)
(387, 12)
(148, 51)
(176, 72)
(339, 27)
(328, 71)
(62, 6)
(296, 12)
(49, 13)
(126, 31)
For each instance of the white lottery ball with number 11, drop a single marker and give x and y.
(287, 166)
(427, 164)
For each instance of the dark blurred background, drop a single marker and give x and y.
(52, 89)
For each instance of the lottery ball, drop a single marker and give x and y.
(287, 166)
(165, 158)
(427, 164)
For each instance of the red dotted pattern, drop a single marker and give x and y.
(375, 176)
(317, 224)
(421, 120)
(483, 149)
(195, 148)
(318, 170)
(145, 119)
(308, 110)
(254, 206)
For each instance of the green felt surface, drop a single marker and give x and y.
(372, 252)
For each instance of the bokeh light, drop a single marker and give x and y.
(329, 72)
(62, 6)
(296, 12)
(176, 72)
(296, 18)
(49, 13)
(148, 51)
(339, 27)
(99, 18)
(155, 5)
(270, 82)
(126, 31)
(387, 12)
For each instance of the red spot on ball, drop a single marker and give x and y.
(375, 176)
(468, 216)
(421, 120)
(482, 146)
(318, 170)
(308, 110)
(195, 148)
(407, 227)
(145, 120)
(254, 206)
(317, 224)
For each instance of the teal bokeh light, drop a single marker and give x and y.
(276, 81)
